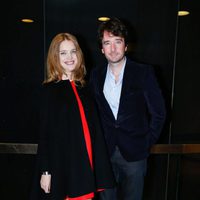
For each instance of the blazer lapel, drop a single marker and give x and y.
(127, 79)
(103, 100)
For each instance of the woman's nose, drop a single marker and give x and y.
(69, 55)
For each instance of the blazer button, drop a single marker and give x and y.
(116, 126)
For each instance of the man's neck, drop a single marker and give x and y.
(116, 67)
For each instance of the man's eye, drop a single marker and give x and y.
(106, 43)
(118, 42)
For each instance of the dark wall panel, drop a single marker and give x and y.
(186, 104)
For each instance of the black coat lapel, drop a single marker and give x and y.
(128, 79)
(100, 83)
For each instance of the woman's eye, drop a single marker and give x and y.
(74, 51)
(62, 53)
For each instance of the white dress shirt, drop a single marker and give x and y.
(112, 89)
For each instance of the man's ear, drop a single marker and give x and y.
(126, 47)
(102, 51)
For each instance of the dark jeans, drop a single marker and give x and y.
(129, 177)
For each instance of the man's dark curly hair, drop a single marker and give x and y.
(115, 26)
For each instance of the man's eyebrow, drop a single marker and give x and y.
(105, 41)
(119, 38)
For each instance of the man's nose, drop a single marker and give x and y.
(113, 47)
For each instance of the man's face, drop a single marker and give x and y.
(113, 47)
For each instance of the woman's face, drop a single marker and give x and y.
(68, 56)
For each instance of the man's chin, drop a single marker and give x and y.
(115, 61)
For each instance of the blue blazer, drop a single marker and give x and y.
(141, 113)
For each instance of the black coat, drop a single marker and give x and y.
(141, 113)
(62, 150)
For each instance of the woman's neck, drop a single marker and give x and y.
(67, 77)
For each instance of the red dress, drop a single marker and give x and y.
(87, 141)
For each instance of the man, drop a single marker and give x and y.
(131, 108)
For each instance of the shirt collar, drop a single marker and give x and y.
(120, 74)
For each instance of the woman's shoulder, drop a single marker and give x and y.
(48, 85)
(54, 85)
(49, 89)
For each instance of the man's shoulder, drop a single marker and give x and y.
(137, 67)
(138, 64)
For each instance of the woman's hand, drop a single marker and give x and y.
(45, 183)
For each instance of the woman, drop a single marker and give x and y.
(72, 156)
